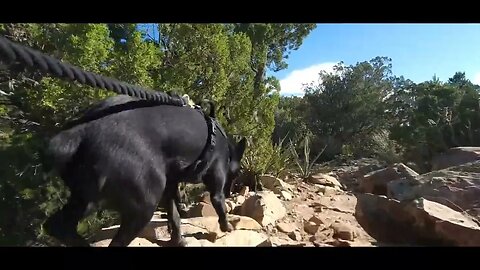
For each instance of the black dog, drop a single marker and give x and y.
(132, 152)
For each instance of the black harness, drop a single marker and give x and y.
(200, 166)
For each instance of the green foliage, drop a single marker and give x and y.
(273, 42)
(26, 196)
(270, 47)
(190, 192)
(135, 63)
(280, 160)
(433, 116)
(289, 119)
(349, 102)
(376, 145)
(197, 59)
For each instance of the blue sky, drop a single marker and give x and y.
(418, 51)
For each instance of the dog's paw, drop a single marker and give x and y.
(226, 227)
(182, 243)
(178, 243)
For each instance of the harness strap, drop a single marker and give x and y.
(199, 167)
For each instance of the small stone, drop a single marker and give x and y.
(322, 236)
(343, 231)
(230, 205)
(309, 244)
(202, 209)
(194, 242)
(286, 195)
(340, 243)
(324, 179)
(285, 227)
(240, 199)
(282, 241)
(319, 220)
(318, 244)
(328, 191)
(311, 227)
(269, 227)
(244, 191)
(228, 209)
(274, 184)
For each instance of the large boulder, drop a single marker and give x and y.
(275, 184)
(376, 182)
(349, 173)
(417, 222)
(455, 156)
(456, 187)
(264, 207)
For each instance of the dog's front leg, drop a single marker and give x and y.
(215, 187)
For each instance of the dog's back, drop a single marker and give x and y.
(132, 143)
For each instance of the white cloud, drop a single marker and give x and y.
(476, 78)
(293, 83)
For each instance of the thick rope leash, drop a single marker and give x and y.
(11, 52)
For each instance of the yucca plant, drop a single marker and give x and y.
(305, 166)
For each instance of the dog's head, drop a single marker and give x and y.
(236, 153)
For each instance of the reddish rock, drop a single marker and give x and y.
(455, 156)
(202, 209)
(376, 182)
(286, 227)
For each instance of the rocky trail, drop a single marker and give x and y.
(359, 204)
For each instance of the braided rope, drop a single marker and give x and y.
(10, 52)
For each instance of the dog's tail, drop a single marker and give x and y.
(63, 146)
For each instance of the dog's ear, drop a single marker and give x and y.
(241, 145)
